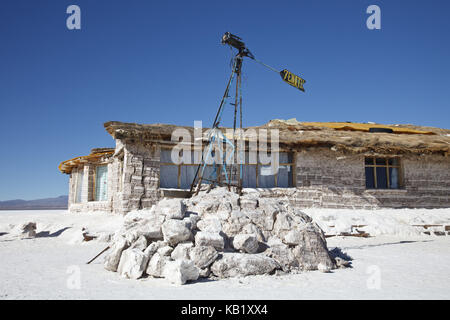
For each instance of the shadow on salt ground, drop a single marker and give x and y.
(199, 280)
(47, 234)
(388, 244)
(42, 234)
(338, 253)
(341, 258)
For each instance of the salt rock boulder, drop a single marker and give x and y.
(264, 218)
(214, 239)
(154, 247)
(132, 263)
(241, 264)
(25, 230)
(143, 222)
(256, 231)
(323, 268)
(235, 223)
(283, 255)
(156, 265)
(286, 221)
(140, 243)
(311, 248)
(203, 256)
(180, 271)
(204, 273)
(113, 258)
(192, 219)
(182, 251)
(175, 231)
(207, 205)
(217, 200)
(210, 224)
(165, 251)
(246, 243)
(248, 203)
(171, 208)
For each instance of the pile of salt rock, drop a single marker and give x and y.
(217, 235)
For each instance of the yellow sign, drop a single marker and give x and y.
(292, 79)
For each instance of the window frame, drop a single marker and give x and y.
(94, 189)
(374, 167)
(290, 164)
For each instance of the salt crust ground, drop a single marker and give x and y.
(407, 265)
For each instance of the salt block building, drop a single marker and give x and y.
(325, 165)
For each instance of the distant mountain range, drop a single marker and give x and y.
(38, 204)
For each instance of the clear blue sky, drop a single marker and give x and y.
(162, 61)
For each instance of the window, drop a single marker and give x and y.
(79, 177)
(260, 176)
(382, 173)
(253, 175)
(101, 183)
(176, 176)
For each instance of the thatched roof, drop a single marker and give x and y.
(348, 137)
(146, 132)
(95, 155)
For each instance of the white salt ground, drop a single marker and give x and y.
(398, 222)
(395, 264)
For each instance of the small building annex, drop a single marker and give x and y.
(328, 165)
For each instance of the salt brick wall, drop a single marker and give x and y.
(114, 188)
(428, 178)
(140, 176)
(329, 179)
